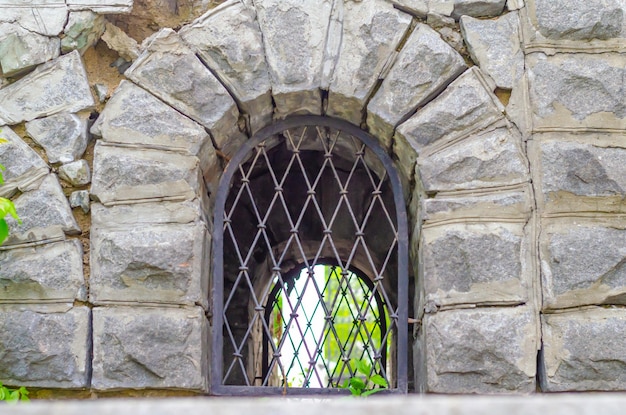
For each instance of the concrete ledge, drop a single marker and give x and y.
(571, 404)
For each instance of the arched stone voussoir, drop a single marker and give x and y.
(229, 41)
(466, 106)
(424, 67)
(170, 70)
(371, 32)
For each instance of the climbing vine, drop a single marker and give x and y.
(6, 208)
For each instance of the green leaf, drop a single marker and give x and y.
(23, 394)
(2, 168)
(355, 392)
(363, 368)
(346, 384)
(2, 140)
(357, 383)
(372, 391)
(14, 396)
(4, 233)
(3, 392)
(7, 208)
(379, 380)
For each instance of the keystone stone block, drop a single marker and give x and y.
(60, 85)
(146, 347)
(150, 263)
(42, 273)
(584, 350)
(45, 346)
(229, 41)
(424, 66)
(21, 49)
(583, 264)
(22, 164)
(491, 350)
(63, 136)
(172, 72)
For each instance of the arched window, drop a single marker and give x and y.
(310, 263)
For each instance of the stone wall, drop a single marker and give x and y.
(506, 121)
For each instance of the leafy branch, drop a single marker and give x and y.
(358, 385)
(13, 395)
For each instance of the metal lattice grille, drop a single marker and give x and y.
(310, 255)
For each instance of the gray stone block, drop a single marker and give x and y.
(30, 18)
(122, 174)
(480, 263)
(581, 20)
(488, 159)
(584, 350)
(164, 263)
(476, 8)
(80, 198)
(146, 347)
(63, 136)
(83, 30)
(45, 346)
(45, 213)
(22, 164)
(171, 71)
(51, 272)
(583, 263)
(491, 350)
(577, 90)
(294, 36)
(495, 46)
(101, 6)
(466, 106)
(371, 33)
(76, 173)
(21, 49)
(424, 66)
(229, 41)
(60, 85)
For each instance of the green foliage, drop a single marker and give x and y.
(359, 385)
(6, 208)
(13, 395)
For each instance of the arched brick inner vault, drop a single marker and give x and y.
(516, 214)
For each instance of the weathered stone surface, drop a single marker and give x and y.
(122, 174)
(172, 72)
(83, 30)
(76, 173)
(21, 49)
(495, 46)
(145, 347)
(294, 35)
(475, 264)
(101, 6)
(425, 65)
(488, 159)
(466, 105)
(22, 164)
(583, 263)
(416, 7)
(514, 4)
(45, 346)
(371, 32)
(45, 214)
(57, 86)
(150, 263)
(586, 20)
(80, 198)
(46, 17)
(123, 216)
(578, 90)
(584, 350)
(63, 136)
(51, 272)
(491, 350)
(117, 40)
(229, 41)
(476, 8)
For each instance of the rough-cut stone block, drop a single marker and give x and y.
(578, 90)
(145, 347)
(45, 17)
(45, 213)
(424, 66)
(45, 346)
(43, 273)
(466, 105)
(584, 350)
(583, 263)
(580, 20)
(101, 6)
(134, 116)
(116, 39)
(229, 40)
(488, 159)
(495, 46)
(172, 72)
(504, 204)
(83, 30)
(63, 136)
(22, 164)
(122, 216)
(57, 86)
(458, 8)
(150, 263)
(491, 350)
(294, 35)
(76, 173)
(21, 49)
(122, 174)
(371, 32)
(416, 7)
(80, 198)
(481, 263)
